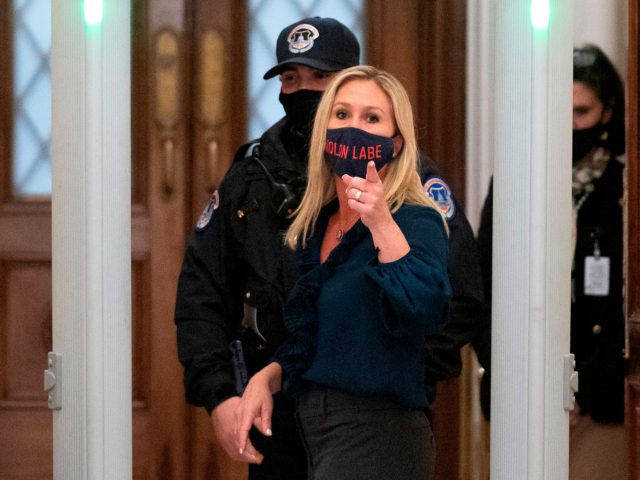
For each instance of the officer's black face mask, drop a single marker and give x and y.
(585, 140)
(300, 107)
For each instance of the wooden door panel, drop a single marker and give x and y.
(27, 327)
(161, 107)
(219, 95)
(25, 322)
(141, 359)
(25, 231)
(27, 451)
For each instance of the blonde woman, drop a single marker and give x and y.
(372, 253)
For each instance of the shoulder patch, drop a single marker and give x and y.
(207, 213)
(436, 188)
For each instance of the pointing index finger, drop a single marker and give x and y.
(372, 173)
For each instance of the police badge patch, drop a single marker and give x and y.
(436, 188)
(206, 214)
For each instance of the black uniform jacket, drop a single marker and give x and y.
(238, 257)
(597, 322)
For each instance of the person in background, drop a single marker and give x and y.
(597, 313)
(236, 272)
(597, 317)
(372, 252)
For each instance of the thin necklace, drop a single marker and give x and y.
(342, 230)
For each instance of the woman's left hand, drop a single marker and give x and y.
(366, 196)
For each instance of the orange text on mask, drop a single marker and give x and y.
(371, 152)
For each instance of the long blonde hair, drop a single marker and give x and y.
(402, 182)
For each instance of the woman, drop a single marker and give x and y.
(372, 253)
(597, 320)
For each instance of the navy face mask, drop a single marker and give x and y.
(348, 150)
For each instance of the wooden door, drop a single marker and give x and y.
(25, 301)
(160, 151)
(632, 387)
(163, 165)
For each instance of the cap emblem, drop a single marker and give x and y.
(301, 38)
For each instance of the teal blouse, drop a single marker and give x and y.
(359, 325)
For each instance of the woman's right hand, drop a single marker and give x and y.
(224, 425)
(256, 405)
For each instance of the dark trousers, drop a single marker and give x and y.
(284, 454)
(354, 438)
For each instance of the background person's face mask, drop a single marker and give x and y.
(348, 150)
(300, 107)
(585, 140)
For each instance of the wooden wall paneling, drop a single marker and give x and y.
(422, 42)
(441, 63)
(632, 288)
(441, 107)
(393, 32)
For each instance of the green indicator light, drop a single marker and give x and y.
(540, 13)
(93, 12)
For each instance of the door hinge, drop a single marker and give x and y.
(570, 382)
(53, 380)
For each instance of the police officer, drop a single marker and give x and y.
(237, 272)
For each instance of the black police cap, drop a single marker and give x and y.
(322, 43)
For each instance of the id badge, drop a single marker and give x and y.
(596, 276)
